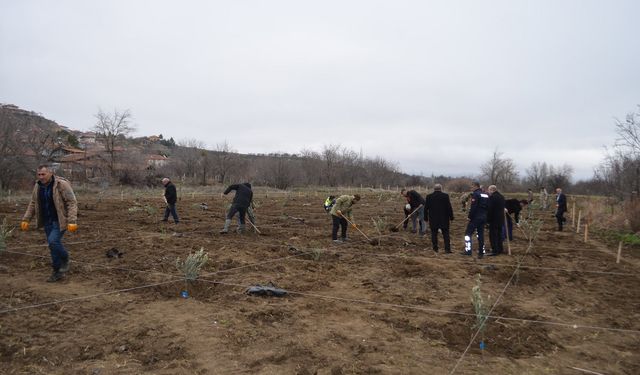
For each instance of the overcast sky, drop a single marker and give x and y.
(435, 86)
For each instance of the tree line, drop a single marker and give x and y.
(28, 139)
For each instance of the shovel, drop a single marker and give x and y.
(397, 227)
(355, 226)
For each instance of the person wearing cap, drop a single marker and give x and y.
(438, 213)
(415, 200)
(477, 219)
(241, 202)
(54, 205)
(340, 213)
(170, 198)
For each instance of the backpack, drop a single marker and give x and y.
(329, 202)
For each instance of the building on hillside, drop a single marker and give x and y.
(62, 151)
(86, 139)
(156, 161)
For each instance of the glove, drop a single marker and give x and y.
(24, 225)
(72, 227)
(339, 213)
(353, 225)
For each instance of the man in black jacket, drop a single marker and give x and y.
(439, 213)
(495, 218)
(416, 202)
(513, 206)
(240, 204)
(561, 207)
(170, 198)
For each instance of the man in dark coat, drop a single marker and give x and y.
(513, 206)
(495, 218)
(477, 219)
(561, 207)
(415, 200)
(241, 202)
(439, 213)
(170, 198)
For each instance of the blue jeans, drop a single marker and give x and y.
(54, 239)
(171, 209)
(419, 216)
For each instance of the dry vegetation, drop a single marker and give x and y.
(355, 308)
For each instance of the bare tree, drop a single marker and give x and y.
(12, 151)
(560, 176)
(537, 174)
(113, 127)
(277, 171)
(186, 157)
(312, 166)
(331, 159)
(620, 170)
(629, 133)
(499, 171)
(224, 159)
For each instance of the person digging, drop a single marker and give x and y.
(340, 214)
(241, 202)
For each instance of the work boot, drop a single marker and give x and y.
(64, 267)
(55, 276)
(225, 230)
(240, 228)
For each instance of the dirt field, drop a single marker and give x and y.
(353, 308)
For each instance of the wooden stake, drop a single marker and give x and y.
(506, 230)
(586, 232)
(579, 217)
(619, 252)
(573, 215)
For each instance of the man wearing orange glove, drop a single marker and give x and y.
(54, 205)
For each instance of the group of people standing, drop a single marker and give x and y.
(487, 207)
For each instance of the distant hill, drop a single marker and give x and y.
(33, 139)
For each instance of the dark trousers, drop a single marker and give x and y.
(476, 225)
(171, 209)
(54, 239)
(560, 218)
(339, 222)
(445, 236)
(242, 211)
(495, 237)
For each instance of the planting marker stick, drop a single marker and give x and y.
(586, 232)
(619, 252)
(506, 230)
(579, 217)
(573, 215)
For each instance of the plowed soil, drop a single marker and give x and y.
(352, 308)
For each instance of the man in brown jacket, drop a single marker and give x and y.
(54, 205)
